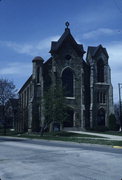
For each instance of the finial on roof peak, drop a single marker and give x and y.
(67, 24)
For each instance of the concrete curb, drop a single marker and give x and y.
(117, 147)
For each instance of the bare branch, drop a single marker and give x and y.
(7, 90)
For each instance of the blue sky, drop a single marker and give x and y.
(27, 28)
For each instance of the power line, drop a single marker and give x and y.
(117, 6)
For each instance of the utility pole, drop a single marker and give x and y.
(120, 104)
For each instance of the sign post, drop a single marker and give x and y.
(120, 105)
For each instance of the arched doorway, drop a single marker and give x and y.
(67, 82)
(69, 118)
(101, 117)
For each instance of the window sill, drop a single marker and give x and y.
(102, 103)
(70, 97)
(102, 83)
(38, 84)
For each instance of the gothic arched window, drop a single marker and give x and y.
(101, 97)
(38, 73)
(100, 71)
(67, 82)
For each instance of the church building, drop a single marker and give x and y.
(87, 85)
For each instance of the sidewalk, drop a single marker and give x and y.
(109, 137)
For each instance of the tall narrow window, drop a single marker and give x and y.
(67, 82)
(100, 71)
(38, 73)
(101, 97)
(98, 97)
(104, 97)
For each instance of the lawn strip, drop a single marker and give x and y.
(77, 140)
(115, 133)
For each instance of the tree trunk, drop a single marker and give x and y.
(4, 120)
(4, 128)
(42, 131)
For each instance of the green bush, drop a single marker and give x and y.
(100, 129)
(112, 123)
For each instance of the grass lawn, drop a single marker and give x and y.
(71, 137)
(8, 132)
(116, 133)
(48, 134)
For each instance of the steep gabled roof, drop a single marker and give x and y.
(94, 50)
(66, 36)
(26, 84)
(91, 50)
(48, 61)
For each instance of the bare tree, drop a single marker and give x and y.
(7, 91)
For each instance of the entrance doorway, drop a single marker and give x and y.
(101, 117)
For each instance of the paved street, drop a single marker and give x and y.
(25, 159)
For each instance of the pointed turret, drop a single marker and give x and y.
(66, 36)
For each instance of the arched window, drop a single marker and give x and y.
(38, 73)
(67, 82)
(101, 97)
(101, 117)
(100, 71)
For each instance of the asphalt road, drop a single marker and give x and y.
(23, 159)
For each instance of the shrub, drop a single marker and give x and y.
(112, 122)
(100, 129)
